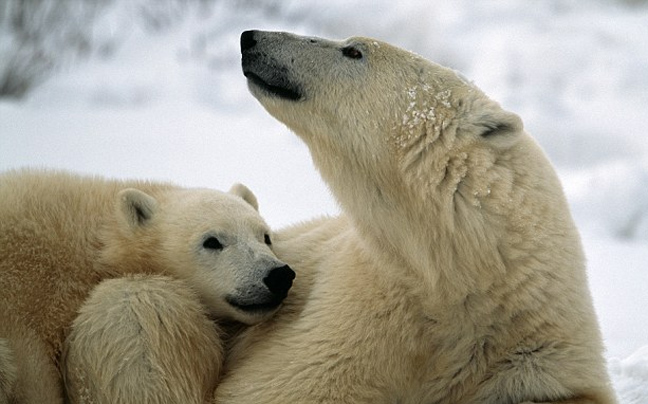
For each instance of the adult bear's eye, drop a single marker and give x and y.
(352, 52)
(266, 239)
(212, 243)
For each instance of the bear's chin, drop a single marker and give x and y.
(256, 309)
(256, 83)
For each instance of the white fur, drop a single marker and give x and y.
(455, 273)
(62, 234)
(142, 339)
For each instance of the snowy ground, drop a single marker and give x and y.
(171, 104)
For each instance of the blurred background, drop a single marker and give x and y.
(153, 89)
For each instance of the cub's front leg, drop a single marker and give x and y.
(142, 339)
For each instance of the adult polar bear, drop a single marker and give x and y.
(455, 273)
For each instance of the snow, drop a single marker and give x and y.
(160, 95)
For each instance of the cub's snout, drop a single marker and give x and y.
(279, 281)
(257, 301)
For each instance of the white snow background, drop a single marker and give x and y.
(157, 92)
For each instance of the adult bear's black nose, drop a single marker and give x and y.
(279, 280)
(247, 40)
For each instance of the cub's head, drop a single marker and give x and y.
(217, 242)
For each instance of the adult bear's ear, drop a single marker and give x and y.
(136, 207)
(493, 124)
(244, 192)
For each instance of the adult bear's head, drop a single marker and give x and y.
(362, 84)
(381, 106)
(400, 139)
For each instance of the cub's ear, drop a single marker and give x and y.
(244, 192)
(136, 207)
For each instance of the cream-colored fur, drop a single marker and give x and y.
(142, 339)
(62, 234)
(455, 273)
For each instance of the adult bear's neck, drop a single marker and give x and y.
(397, 224)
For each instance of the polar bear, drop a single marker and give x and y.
(454, 274)
(171, 259)
(141, 339)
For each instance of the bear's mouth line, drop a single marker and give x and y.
(254, 307)
(278, 90)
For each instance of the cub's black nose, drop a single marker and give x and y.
(279, 280)
(247, 40)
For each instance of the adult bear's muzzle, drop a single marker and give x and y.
(263, 71)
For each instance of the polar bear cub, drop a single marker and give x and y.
(151, 256)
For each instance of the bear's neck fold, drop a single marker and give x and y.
(404, 226)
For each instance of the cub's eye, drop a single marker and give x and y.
(266, 239)
(212, 243)
(352, 52)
